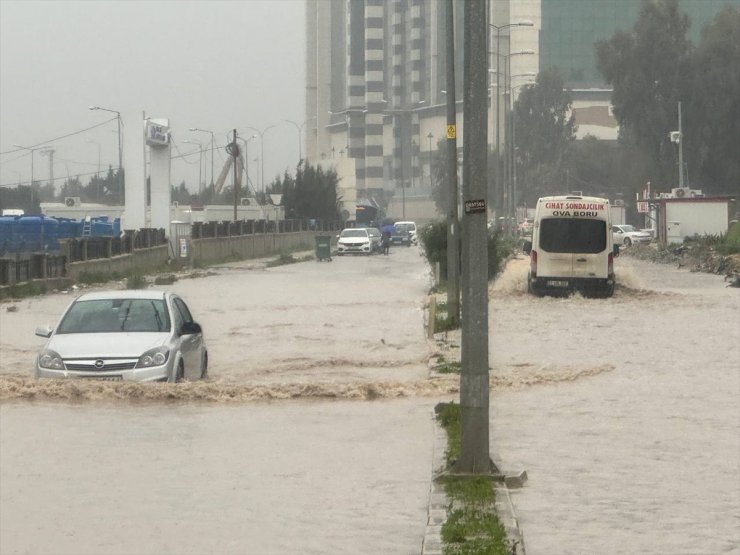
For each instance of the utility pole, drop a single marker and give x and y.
(474, 397)
(50, 153)
(680, 148)
(235, 154)
(453, 242)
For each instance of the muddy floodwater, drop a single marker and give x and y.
(314, 432)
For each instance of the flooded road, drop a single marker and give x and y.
(625, 413)
(277, 478)
(642, 459)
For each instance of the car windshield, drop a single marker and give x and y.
(373, 232)
(354, 233)
(628, 228)
(116, 315)
(404, 227)
(572, 235)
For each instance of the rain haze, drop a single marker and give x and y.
(210, 65)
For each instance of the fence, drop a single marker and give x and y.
(148, 248)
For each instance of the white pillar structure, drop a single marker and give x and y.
(134, 216)
(158, 141)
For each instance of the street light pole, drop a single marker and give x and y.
(299, 128)
(262, 151)
(98, 174)
(246, 158)
(121, 182)
(430, 137)
(200, 165)
(31, 150)
(498, 29)
(213, 145)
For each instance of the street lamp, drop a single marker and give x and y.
(299, 128)
(430, 137)
(98, 174)
(213, 145)
(32, 150)
(120, 153)
(503, 182)
(498, 29)
(200, 165)
(262, 150)
(246, 156)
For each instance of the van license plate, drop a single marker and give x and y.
(557, 283)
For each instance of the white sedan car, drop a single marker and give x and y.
(354, 240)
(124, 335)
(628, 235)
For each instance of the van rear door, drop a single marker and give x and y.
(575, 248)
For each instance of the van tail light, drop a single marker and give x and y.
(533, 263)
(610, 265)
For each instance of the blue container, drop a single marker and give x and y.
(101, 229)
(50, 234)
(68, 228)
(28, 236)
(7, 232)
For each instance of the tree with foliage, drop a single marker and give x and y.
(312, 193)
(648, 69)
(544, 132)
(440, 182)
(712, 114)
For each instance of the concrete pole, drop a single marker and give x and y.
(474, 398)
(680, 148)
(453, 236)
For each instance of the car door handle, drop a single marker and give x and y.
(581, 260)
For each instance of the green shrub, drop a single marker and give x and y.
(731, 242)
(433, 240)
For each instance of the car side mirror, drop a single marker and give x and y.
(527, 247)
(616, 251)
(190, 328)
(45, 331)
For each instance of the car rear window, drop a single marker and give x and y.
(116, 315)
(572, 235)
(354, 233)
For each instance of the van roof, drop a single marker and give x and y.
(573, 197)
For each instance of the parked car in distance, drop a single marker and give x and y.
(375, 239)
(136, 335)
(525, 227)
(410, 227)
(401, 234)
(628, 235)
(354, 241)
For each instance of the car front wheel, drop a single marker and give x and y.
(204, 370)
(627, 241)
(180, 375)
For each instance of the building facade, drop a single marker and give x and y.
(376, 80)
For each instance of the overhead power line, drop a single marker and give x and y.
(62, 137)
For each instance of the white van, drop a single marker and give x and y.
(571, 247)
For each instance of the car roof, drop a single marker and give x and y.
(406, 222)
(123, 294)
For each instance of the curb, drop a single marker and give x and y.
(437, 509)
(438, 502)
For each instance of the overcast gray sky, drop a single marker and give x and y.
(209, 64)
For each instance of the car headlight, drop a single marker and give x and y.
(153, 357)
(51, 360)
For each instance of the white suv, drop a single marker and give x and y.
(354, 240)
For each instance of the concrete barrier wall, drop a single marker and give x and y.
(140, 260)
(201, 250)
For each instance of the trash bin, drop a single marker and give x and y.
(323, 247)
